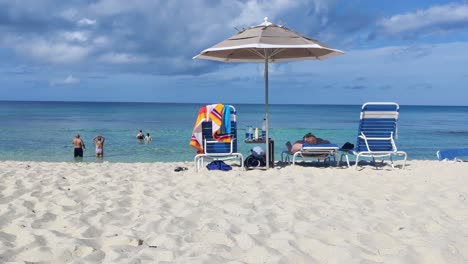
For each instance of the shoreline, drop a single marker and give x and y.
(186, 161)
(91, 212)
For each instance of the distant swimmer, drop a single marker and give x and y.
(79, 146)
(148, 138)
(99, 142)
(140, 135)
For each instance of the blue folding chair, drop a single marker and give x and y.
(376, 134)
(217, 150)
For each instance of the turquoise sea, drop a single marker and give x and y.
(43, 131)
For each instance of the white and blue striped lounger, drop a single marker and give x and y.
(452, 154)
(376, 133)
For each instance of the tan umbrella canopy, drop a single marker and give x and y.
(267, 43)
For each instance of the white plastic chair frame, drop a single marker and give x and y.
(376, 154)
(199, 158)
(324, 154)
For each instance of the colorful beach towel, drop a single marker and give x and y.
(213, 113)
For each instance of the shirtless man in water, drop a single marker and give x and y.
(99, 142)
(79, 146)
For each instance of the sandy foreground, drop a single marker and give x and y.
(147, 213)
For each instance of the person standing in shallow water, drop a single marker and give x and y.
(79, 146)
(148, 138)
(99, 142)
(140, 135)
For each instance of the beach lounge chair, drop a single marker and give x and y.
(452, 154)
(319, 152)
(376, 134)
(217, 144)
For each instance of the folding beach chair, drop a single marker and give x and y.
(216, 149)
(376, 133)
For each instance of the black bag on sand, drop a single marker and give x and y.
(254, 161)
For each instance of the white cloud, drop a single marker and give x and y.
(253, 11)
(101, 41)
(423, 19)
(69, 14)
(86, 22)
(121, 58)
(78, 36)
(67, 81)
(114, 7)
(51, 51)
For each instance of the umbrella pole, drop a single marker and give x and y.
(267, 140)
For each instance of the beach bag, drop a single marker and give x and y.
(252, 161)
(257, 158)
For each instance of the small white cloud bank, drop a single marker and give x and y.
(57, 52)
(86, 22)
(69, 80)
(121, 58)
(75, 36)
(441, 16)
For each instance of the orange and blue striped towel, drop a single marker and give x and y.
(213, 113)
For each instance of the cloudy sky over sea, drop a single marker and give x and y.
(412, 52)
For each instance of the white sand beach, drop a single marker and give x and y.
(147, 213)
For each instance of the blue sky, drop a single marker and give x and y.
(411, 52)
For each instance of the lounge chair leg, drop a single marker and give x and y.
(241, 161)
(357, 162)
(195, 160)
(391, 162)
(404, 161)
(347, 159)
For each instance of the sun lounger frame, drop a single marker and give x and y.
(372, 143)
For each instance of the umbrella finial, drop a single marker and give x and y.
(265, 22)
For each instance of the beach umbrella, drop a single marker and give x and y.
(267, 43)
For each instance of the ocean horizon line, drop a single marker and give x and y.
(204, 103)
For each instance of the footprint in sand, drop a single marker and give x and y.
(82, 251)
(92, 232)
(46, 218)
(36, 255)
(6, 239)
(381, 244)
